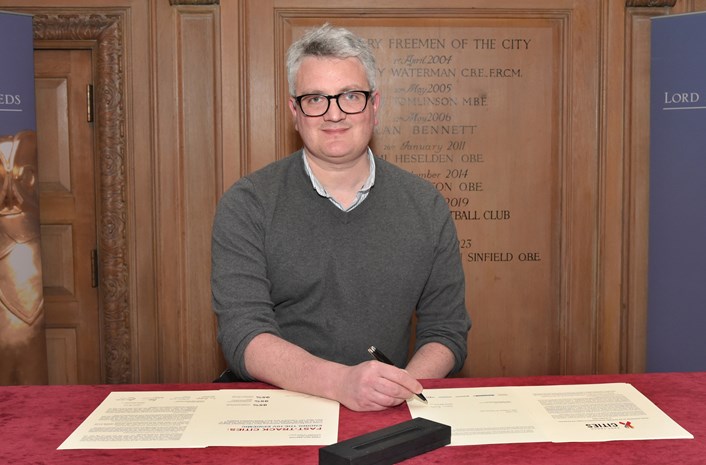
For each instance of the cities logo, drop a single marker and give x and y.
(610, 425)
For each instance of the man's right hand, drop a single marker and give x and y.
(368, 386)
(375, 386)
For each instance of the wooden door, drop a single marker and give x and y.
(68, 215)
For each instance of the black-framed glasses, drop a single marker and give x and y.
(350, 102)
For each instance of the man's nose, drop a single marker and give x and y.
(334, 112)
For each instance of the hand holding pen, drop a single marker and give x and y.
(380, 357)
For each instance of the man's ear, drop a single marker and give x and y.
(293, 110)
(376, 105)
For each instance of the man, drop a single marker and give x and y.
(326, 252)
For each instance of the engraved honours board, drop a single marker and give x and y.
(471, 105)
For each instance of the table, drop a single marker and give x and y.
(35, 420)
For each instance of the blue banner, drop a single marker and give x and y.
(17, 76)
(22, 337)
(677, 234)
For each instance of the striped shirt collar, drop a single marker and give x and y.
(360, 196)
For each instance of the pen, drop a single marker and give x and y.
(380, 357)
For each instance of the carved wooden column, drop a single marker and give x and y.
(107, 31)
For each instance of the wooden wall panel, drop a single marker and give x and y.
(192, 96)
(637, 158)
(200, 131)
(610, 210)
(57, 258)
(62, 355)
(188, 170)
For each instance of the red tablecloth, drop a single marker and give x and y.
(35, 420)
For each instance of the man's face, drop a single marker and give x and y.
(335, 137)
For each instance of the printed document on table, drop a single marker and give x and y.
(190, 419)
(269, 417)
(600, 412)
(145, 419)
(565, 413)
(479, 415)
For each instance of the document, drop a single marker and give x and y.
(566, 413)
(243, 417)
(189, 419)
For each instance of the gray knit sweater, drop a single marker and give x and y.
(286, 261)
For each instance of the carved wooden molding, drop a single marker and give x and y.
(107, 32)
(650, 3)
(194, 2)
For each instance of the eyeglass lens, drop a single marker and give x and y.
(351, 102)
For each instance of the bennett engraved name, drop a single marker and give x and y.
(444, 129)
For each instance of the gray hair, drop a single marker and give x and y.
(333, 42)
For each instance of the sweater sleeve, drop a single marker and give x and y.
(239, 284)
(441, 312)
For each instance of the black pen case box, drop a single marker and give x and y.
(388, 445)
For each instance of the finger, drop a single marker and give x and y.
(384, 399)
(403, 379)
(392, 390)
